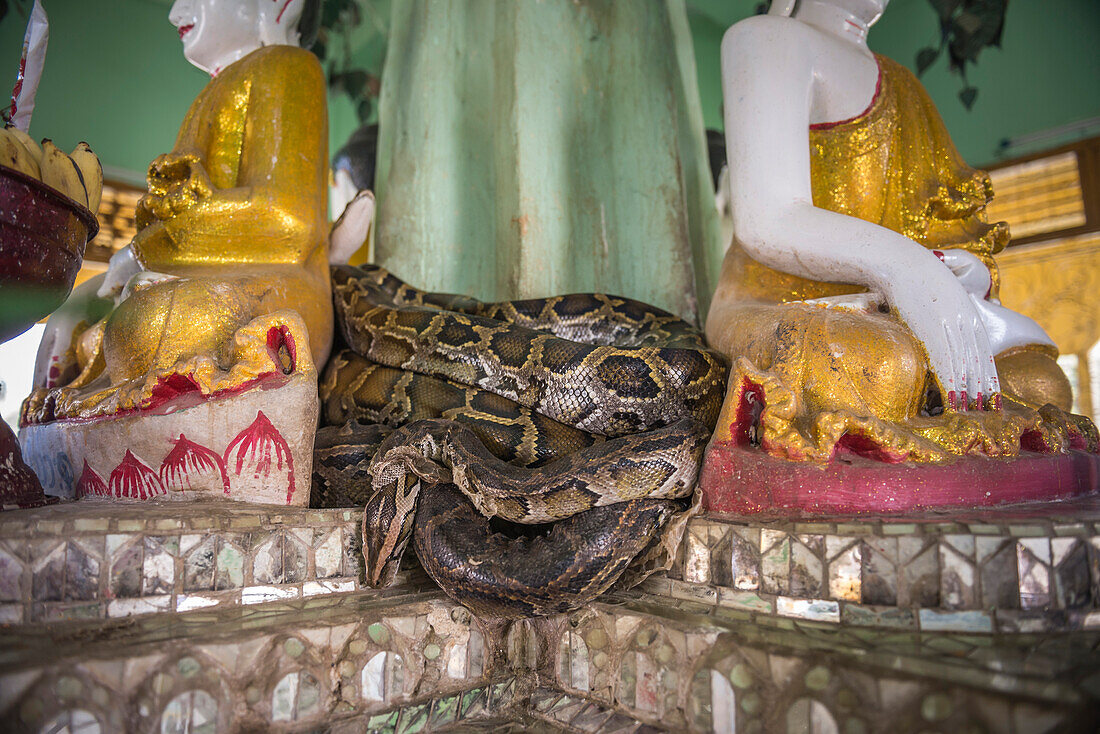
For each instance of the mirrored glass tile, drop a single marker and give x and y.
(775, 560)
(845, 568)
(1033, 558)
(198, 565)
(328, 556)
(919, 572)
(544, 698)
(810, 716)
(620, 723)
(958, 588)
(476, 702)
(868, 616)
(260, 594)
(267, 561)
(646, 692)
(696, 557)
(126, 567)
(295, 559)
(138, 605)
(746, 600)
(49, 576)
(444, 711)
(932, 620)
(819, 610)
(745, 558)
(229, 566)
(159, 567)
(284, 697)
(11, 574)
(413, 719)
(1071, 573)
(313, 588)
(997, 557)
(186, 603)
(807, 567)
(192, 712)
(879, 581)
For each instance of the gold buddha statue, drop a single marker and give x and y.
(233, 229)
(857, 301)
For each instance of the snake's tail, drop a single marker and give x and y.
(494, 575)
(387, 528)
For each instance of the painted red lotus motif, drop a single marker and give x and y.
(135, 479)
(91, 484)
(190, 465)
(260, 452)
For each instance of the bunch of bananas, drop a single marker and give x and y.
(77, 175)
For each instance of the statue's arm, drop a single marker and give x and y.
(275, 211)
(768, 70)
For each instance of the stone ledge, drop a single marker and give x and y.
(633, 662)
(693, 668)
(94, 559)
(1035, 567)
(279, 665)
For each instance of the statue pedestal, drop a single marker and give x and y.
(741, 480)
(255, 446)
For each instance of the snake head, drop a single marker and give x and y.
(387, 528)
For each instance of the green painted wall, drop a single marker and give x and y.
(1046, 74)
(115, 76)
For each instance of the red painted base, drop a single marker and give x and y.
(745, 481)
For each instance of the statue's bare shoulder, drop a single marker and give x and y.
(762, 38)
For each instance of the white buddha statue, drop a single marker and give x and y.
(861, 280)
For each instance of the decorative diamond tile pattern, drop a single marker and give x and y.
(1009, 570)
(722, 674)
(257, 668)
(975, 622)
(89, 559)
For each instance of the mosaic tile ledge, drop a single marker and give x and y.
(91, 560)
(691, 673)
(817, 572)
(273, 666)
(754, 606)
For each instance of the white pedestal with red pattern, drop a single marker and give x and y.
(255, 446)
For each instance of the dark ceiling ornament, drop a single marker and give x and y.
(966, 27)
(339, 18)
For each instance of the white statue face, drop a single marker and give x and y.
(868, 11)
(214, 31)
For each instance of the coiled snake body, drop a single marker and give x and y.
(589, 411)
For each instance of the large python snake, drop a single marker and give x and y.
(587, 411)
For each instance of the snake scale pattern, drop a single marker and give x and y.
(587, 411)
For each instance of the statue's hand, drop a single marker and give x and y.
(937, 308)
(968, 268)
(176, 183)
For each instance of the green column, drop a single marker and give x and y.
(529, 148)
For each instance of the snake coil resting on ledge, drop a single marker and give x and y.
(588, 411)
